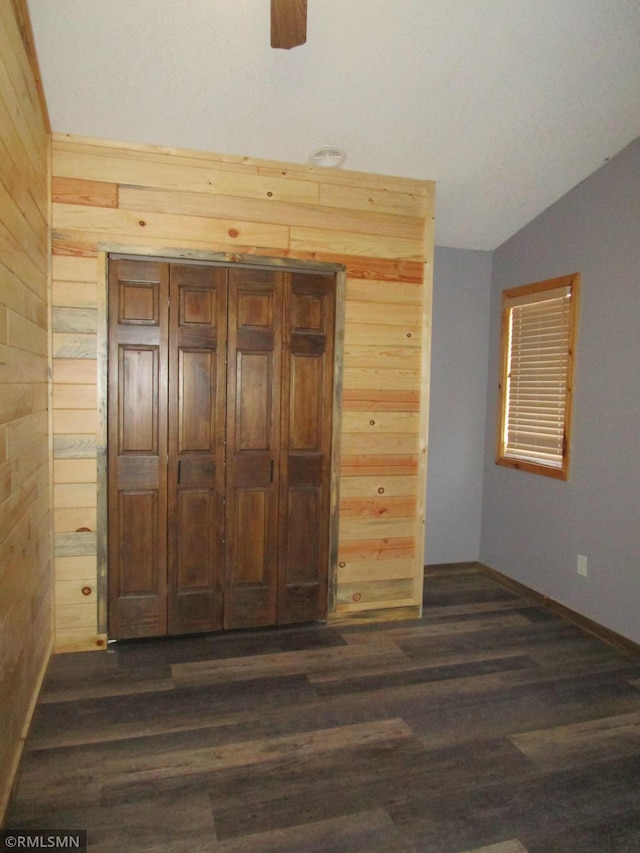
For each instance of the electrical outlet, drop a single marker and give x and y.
(582, 565)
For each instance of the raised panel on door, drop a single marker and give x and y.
(253, 436)
(137, 448)
(196, 447)
(305, 464)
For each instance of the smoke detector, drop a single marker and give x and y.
(328, 157)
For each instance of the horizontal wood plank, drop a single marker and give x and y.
(364, 465)
(126, 225)
(365, 528)
(80, 270)
(74, 371)
(374, 400)
(74, 495)
(74, 446)
(73, 345)
(74, 470)
(366, 423)
(71, 519)
(377, 444)
(378, 507)
(368, 487)
(145, 170)
(76, 295)
(74, 421)
(75, 568)
(351, 243)
(92, 193)
(379, 291)
(267, 211)
(74, 544)
(359, 571)
(74, 396)
(363, 593)
(389, 548)
(74, 320)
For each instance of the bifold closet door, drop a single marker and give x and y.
(219, 448)
(137, 448)
(279, 415)
(165, 448)
(305, 440)
(196, 475)
(253, 447)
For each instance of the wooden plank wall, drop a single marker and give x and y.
(155, 200)
(26, 579)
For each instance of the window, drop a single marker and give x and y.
(536, 375)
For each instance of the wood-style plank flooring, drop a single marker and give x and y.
(489, 725)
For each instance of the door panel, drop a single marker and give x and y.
(196, 393)
(305, 461)
(137, 448)
(196, 447)
(305, 422)
(253, 436)
(254, 407)
(139, 563)
(251, 537)
(138, 399)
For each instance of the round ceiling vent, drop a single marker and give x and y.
(328, 156)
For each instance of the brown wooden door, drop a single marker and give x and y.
(137, 448)
(197, 343)
(305, 471)
(253, 447)
(166, 447)
(219, 447)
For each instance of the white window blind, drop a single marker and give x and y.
(539, 327)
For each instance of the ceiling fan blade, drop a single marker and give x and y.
(288, 23)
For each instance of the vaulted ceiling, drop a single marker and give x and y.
(506, 104)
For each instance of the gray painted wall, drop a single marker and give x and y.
(534, 527)
(459, 354)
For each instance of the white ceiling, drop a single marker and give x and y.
(506, 104)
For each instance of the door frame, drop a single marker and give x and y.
(107, 251)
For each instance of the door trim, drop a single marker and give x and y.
(105, 253)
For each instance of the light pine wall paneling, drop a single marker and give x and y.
(362, 595)
(71, 371)
(363, 465)
(74, 396)
(403, 506)
(266, 210)
(73, 346)
(26, 614)
(70, 519)
(193, 232)
(91, 193)
(364, 571)
(149, 200)
(74, 317)
(74, 471)
(364, 487)
(74, 496)
(73, 421)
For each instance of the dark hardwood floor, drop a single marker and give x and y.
(490, 725)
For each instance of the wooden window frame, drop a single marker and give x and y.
(508, 455)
